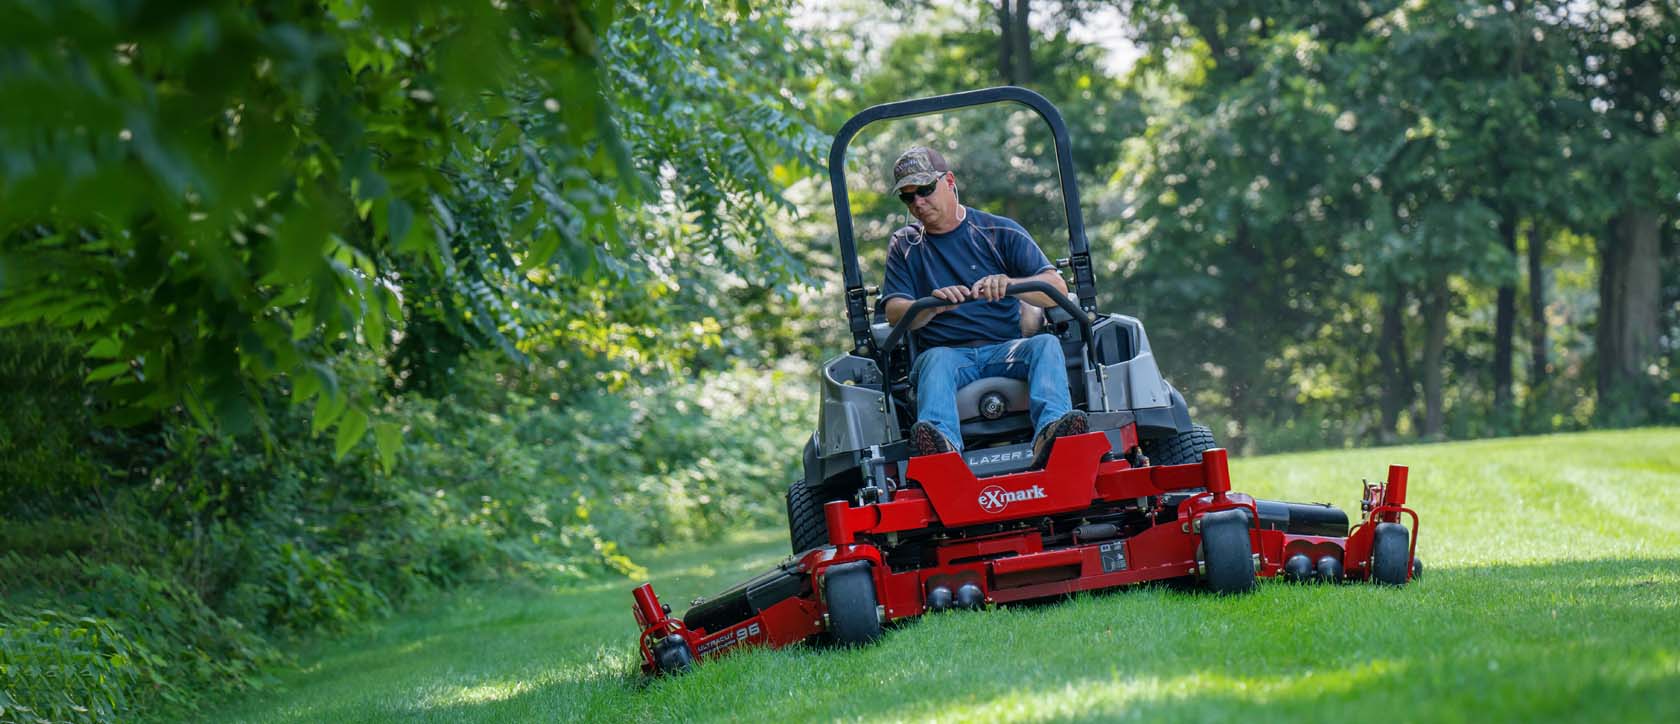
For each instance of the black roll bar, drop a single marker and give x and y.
(857, 305)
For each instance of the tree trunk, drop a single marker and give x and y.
(1014, 41)
(1537, 372)
(1023, 43)
(1434, 346)
(1629, 301)
(1242, 329)
(1391, 351)
(1408, 381)
(1014, 62)
(1006, 41)
(1504, 324)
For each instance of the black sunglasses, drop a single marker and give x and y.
(921, 192)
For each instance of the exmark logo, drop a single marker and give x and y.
(994, 498)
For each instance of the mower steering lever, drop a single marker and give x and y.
(1079, 316)
(1014, 290)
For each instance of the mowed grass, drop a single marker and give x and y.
(1552, 593)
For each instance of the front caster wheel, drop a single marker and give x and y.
(853, 615)
(673, 655)
(1226, 557)
(1390, 553)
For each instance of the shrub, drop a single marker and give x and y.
(60, 667)
(148, 567)
(88, 638)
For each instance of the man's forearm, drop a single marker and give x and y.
(1039, 299)
(897, 306)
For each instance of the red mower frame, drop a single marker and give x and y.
(1015, 565)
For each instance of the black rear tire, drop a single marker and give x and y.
(1226, 552)
(1390, 550)
(807, 528)
(1181, 449)
(853, 618)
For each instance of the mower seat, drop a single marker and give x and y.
(990, 398)
(994, 409)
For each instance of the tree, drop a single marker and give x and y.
(1480, 93)
(1003, 155)
(1627, 66)
(1018, 56)
(218, 198)
(1538, 367)
(1431, 134)
(1238, 195)
(1014, 41)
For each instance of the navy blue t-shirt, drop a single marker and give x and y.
(983, 244)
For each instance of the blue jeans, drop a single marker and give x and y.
(941, 371)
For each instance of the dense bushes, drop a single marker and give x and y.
(673, 462)
(147, 567)
(81, 639)
(68, 667)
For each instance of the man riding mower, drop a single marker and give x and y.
(1013, 501)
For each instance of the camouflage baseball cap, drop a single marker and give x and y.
(919, 166)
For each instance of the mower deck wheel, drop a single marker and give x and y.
(1330, 569)
(1226, 553)
(853, 618)
(1298, 569)
(673, 655)
(1390, 549)
(939, 599)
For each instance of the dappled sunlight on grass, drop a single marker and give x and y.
(481, 693)
(414, 647)
(738, 551)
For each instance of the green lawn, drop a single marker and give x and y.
(1552, 592)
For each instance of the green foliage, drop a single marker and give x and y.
(63, 668)
(680, 462)
(42, 437)
(89, 641)
(263, 231)
(1326, 200)
(213, 199)
(1237, 215)
(187, 567)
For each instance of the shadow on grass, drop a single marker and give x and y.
(1568, 640)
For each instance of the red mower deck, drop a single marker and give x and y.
(846, 590)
